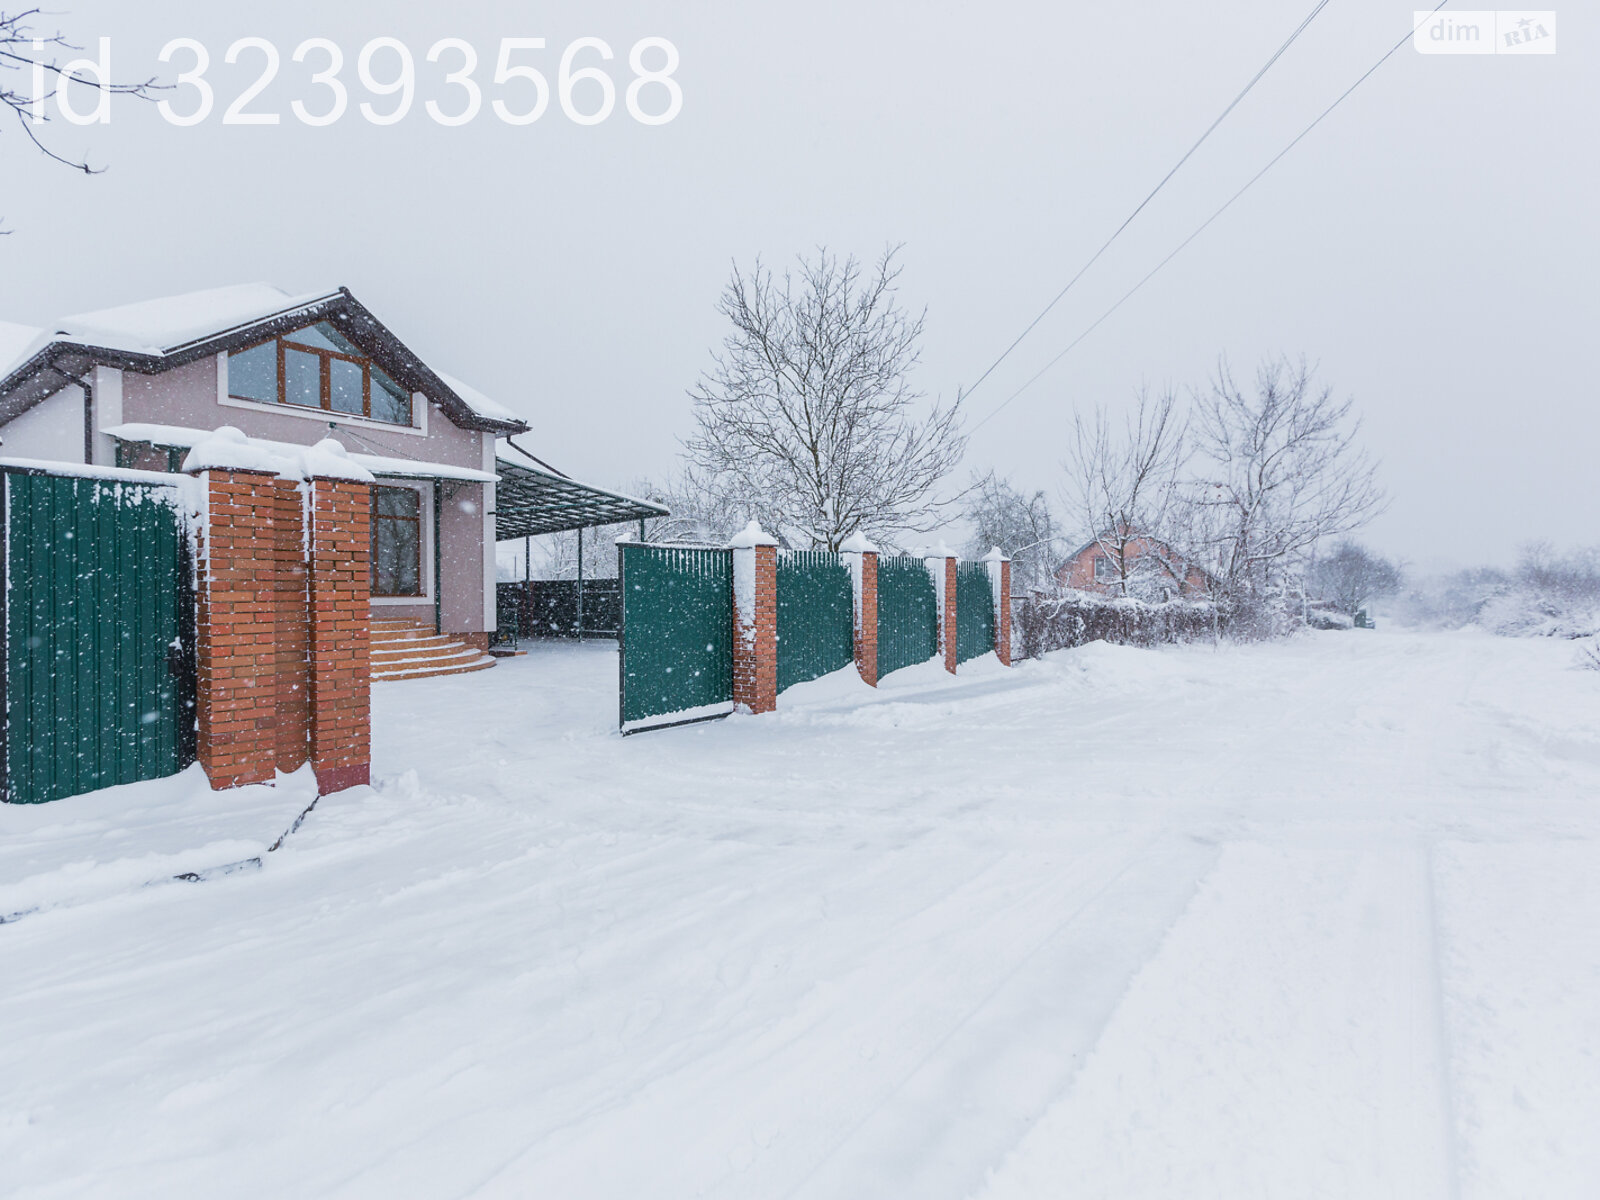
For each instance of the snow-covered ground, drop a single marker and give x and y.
(1316, 918)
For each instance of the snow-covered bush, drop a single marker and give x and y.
(1045, 623)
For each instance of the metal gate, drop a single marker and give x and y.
(816, 616)
(676, 640)
(908, 614)
(974, 611)
(99, 629)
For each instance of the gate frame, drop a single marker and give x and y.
(622, 644)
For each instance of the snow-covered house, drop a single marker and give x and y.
(1155, 570)
(137, 386)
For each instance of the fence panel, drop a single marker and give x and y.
(908, 614)
(974, 611)
(677, 632)
(816, 616)
(99, 629)
(549, 607)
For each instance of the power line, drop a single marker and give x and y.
(1202, 228)
(1267, 66)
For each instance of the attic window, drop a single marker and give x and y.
(318, 367)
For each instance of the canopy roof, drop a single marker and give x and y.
(534, 498)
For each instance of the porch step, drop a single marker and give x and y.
(403, 649)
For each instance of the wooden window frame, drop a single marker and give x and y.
(422, 591)
(325, 381)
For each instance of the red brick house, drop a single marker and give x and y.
(1155, 571)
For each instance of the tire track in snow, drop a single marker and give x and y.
(996, 1069)
(1284, 1041)
(773, 1102)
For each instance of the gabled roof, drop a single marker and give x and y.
(157, 335)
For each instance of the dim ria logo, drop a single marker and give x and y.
(1486, 32)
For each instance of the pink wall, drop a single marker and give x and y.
(188, 396)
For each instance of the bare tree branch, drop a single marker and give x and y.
(20, 44)
(807, 414)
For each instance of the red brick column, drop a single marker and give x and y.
(291, 632)
(865, 569)
(340, 657)
(999, 567)
(755, 622)
(947, 614)
(237, 697)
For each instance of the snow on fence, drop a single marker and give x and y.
(705, 631)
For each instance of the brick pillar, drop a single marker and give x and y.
(999, 568)
(864, 576)
(947, 615)
(942, 569)
(291, 630)
(236, 652)
(340, 659)
(755, 621)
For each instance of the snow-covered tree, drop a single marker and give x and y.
(1019, 523)
(1122, 485)
(807, 417)
(1280, 470)
(1351, 576)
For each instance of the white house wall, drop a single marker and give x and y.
(52, 429)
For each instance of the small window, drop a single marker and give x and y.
(1105, 570)
(318, 367)
(396, 541)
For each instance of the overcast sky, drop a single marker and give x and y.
(1433, 245)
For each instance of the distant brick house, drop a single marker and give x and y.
(1154, 569)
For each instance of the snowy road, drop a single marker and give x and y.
(1310, 919)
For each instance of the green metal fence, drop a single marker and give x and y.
(816, 616)
(99, 612)
(677, 633)
(974, 611)
(908, 614)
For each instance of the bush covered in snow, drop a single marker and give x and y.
(1545, 595)
(1045, 623)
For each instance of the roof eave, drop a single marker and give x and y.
(24, 379)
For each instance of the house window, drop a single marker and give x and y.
(1105, 570)
(318, 367)
(396, 541)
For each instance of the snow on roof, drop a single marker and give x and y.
(269, 455)
(16, 343)
(477, 401)
(156, 326)
(164, 325)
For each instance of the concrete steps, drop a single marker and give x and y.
(405, 649)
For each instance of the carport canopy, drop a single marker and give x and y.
(533, 498)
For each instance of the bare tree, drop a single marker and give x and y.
(808, 415)
(1122, 484)
(20, 51)
(1281, 470)
(1019, 523)
(1351, 576)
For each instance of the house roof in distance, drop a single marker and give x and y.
(156, 335)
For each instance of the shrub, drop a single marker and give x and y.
(1062, 622)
